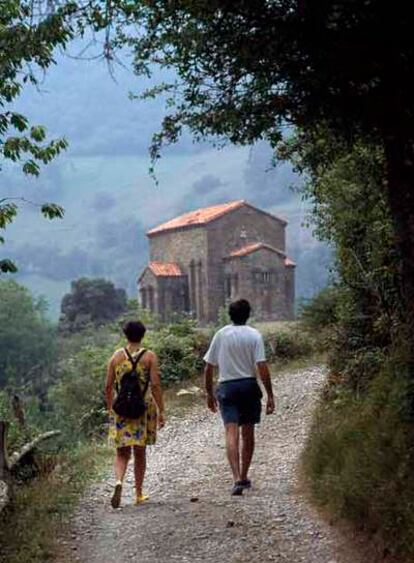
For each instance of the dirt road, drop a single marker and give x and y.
(192, 518)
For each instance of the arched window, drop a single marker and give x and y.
(193, 289)
(228, 287)
(144, 301)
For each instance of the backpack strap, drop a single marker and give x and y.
(134, 365)
(137, 359)
(147, 379)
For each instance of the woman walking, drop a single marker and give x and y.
(140, 393)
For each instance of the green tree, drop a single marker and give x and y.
(320, 312)
(27, 339)
(247, 69)
(91, 302)
(367, 404)
(29, 35)
(349, 210)
(77, 399)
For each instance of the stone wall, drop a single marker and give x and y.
(188, 248)
(148, 291)
(173, 296)
(265, 282)
(290, 292)
(239, 228)
(169, 294)
(200, 252)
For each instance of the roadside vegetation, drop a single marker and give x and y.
(359, 458)
(60, 387)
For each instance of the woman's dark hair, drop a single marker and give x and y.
(239, 311)
(134, 331)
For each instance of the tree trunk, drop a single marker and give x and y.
(400, 177)
(4, 463)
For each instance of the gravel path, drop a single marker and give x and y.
(192, 518)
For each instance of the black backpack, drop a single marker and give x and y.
(130, 400)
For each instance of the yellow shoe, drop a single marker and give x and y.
(141, 498)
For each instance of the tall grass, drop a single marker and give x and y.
(359, 458)
(75, 405)
(30, 527)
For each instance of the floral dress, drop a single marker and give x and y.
(124, 432)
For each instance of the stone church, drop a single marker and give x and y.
(201, 260)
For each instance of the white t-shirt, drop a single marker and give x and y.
(236, 349)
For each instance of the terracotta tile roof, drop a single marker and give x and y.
(249, 248)
(198, 217)
(165, 269)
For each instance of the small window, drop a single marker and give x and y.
(263, 278)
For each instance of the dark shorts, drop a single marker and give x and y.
(239, 401)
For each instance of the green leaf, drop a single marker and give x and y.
(7, 214)
(31, 168)
(19, 121)
(52, 211)
(38, 133)
(7, 266)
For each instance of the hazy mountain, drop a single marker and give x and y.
(109, 197)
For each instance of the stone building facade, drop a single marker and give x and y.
(203, 259)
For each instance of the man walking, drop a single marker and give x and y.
(237, 350)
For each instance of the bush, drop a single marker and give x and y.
(77, 401)
(320, 312)
(223, 317)
(30, 526)
(27, 339)
(283, 346)
(180, 348)
(360, 457)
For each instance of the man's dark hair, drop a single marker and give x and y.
(134, 331)
(239, 311)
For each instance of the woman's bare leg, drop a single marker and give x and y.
(140, 463)
(121, 462)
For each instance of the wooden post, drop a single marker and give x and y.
(19, 411)
(4, 467)
(4, 460)
(18, 457)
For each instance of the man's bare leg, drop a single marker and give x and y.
(232, 447)
(140, 463)
(247, 431)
